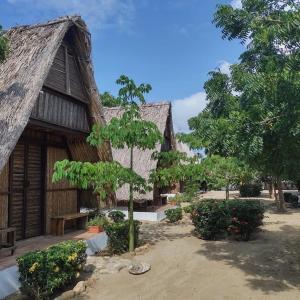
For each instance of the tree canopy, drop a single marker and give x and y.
(254, 113)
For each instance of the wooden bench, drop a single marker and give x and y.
(58, 223)
(10, 240)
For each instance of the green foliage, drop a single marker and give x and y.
(117, 216)
(250, 190)
(213, 219)
(43, 272)
(118, 235)
(103, 177)
(246, 217)
(3, 46)
(253, 113)
(222, 172)
(128, 131)
(210, 218)
(109, 100)
(188, 209)
(174, 214)
(98, 221)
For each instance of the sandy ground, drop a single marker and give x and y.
(185, 267)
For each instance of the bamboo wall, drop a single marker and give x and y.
(4, 197)
(61, 197)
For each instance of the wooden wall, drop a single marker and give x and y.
(4, 176)
(61, 197)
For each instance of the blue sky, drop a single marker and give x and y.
(171, 44)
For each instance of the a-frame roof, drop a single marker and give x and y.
(32, 50)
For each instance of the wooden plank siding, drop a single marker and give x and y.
(64, 75)
(61, 197)
(62, 111)
(4, 189)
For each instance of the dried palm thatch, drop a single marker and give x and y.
(160, 114)
(32, 51)
(184, 148)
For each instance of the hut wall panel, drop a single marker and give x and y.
(61, 196)
(34, 193)
(56, 78)
(81, 151)
(4, 177)
(59, 110)
(76, 86)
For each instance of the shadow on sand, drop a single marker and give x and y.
(271, 260)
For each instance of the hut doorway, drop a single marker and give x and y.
(26, 199)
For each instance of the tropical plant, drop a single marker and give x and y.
(43, 272)
(253, 113)
(129, 131)
(117, 216)
(250, 190)
(245, 217)
(174, 214)
(118, 235)
(97, 221)
(109, 100)
(210, 218)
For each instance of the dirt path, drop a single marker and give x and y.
(185, 267)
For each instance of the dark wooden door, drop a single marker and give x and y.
(26, 196)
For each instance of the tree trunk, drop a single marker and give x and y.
(130, 209)
(280, 203)
(270, 186)
(227, 192)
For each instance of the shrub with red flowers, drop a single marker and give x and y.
(214, 219)
(245, 217)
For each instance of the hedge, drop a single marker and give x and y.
(43, 272)
(118, 235)
(215, 219)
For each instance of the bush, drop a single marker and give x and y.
(188, 209)
(245, 217)
(42, 272)
(250, 190)
(118, 235)
(210, 218)
(240, 218)
(174, 214)
(287, 197)
(98, 221)
(117, 216)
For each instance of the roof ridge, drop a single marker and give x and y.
(51, 22)
(142, 105)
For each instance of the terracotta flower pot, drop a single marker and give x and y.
(95, 229)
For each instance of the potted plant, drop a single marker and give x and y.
(96, 224)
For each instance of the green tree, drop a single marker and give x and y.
(129, 132)
(254, 114)
(109, 100)
(3, 45)
(226, 171)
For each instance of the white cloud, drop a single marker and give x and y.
(236, 3)
(99, 14)
(224, 67)
(184, 109)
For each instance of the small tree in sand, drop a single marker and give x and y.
(129, 131)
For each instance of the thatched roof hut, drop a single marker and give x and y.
(22, 75)
(161, 115)
(48, 103)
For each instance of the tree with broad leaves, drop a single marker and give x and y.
(3, 45)
(108, 100)
(254, 113)
(129, 131)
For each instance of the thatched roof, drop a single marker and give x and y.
(184, 148)
(142, 163)
(32, 51)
